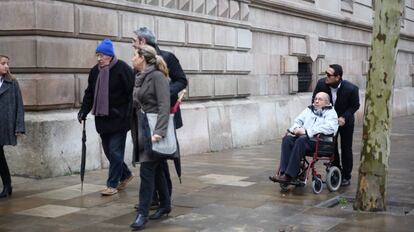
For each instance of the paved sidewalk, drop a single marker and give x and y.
(223, 191)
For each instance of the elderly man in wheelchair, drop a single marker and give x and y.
(316, 125)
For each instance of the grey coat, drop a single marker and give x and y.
(153, 97)
(11, 112)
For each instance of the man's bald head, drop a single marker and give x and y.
(321, 99)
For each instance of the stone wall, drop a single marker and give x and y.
(241, 59)
(52, 145)
(228, 48)
(52, 43)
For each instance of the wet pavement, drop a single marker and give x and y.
(223, 191)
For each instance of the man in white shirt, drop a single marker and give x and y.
(345, 100)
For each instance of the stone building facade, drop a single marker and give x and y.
(251, 66)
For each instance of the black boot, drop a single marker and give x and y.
(7, 191)
(159, 213)
(139, 222)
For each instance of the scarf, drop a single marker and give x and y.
(101, 96)
(139, 80)
(319, 112)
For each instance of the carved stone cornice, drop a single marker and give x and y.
(295, 9)
(200, 14)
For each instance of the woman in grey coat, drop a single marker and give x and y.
(151, 95)
(11, 118)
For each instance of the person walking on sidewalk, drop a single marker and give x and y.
(150, 95)
(11, 119)
(109, 95)
(345, 99)
(144, 36)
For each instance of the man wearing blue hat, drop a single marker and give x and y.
(108, 96)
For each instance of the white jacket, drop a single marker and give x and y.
(325, 121)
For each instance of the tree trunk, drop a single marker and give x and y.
(371, 191)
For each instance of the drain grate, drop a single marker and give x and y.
(346, 202)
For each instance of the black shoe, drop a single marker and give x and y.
(7, 191)
(159, 213)
(345, 182)
(139, 222)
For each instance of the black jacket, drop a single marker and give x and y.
(121, 83)
(11, 112)
(347, 99)
(178, 80)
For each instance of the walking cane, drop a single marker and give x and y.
(83, 157)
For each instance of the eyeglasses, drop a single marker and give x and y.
(329, 75)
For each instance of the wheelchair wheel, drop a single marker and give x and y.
(317, 185)
(333, 179)
(284, 187)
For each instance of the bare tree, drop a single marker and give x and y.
(372, 180)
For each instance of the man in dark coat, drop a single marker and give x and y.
(345, 99)
(109, 95)
(178, 80)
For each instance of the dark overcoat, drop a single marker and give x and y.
(347, 99)
(121, 83)
(178, 81)
(11, 112)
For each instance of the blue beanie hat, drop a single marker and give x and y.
(106, 48)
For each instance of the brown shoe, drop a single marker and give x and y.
(283, 179)
(273, 178)
(123, 184)
(108, 191)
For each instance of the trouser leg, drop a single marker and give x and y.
(302, 145)
(125, 172)
(4, 169)
(162, 186)
(337, 160)
(146, 189)
(114, 148)
(166, 170)
(346, 134)
(287, 144)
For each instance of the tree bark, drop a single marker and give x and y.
(372, 180)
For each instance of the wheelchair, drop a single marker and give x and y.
(324, 151)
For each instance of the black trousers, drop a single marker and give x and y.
(152, 176)
(4, 169)
(164, 167)
(346, 133)
(166, 170)
(293, 149)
